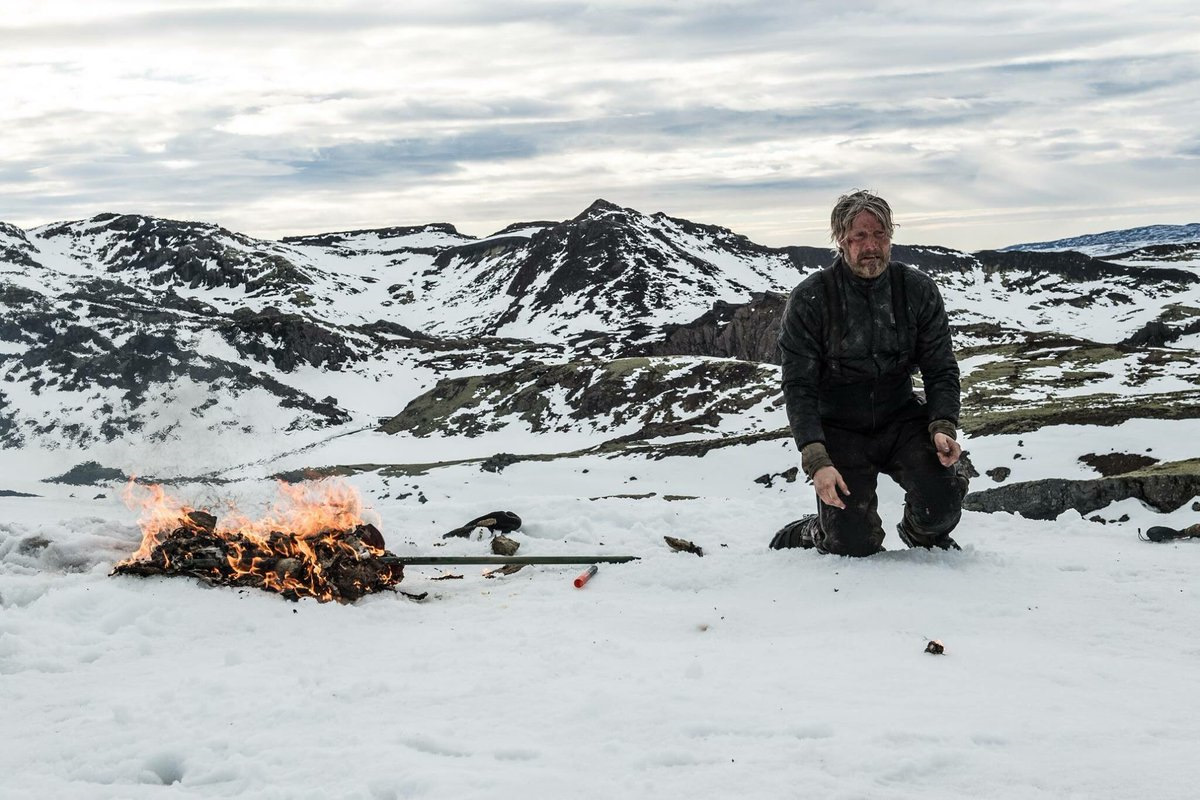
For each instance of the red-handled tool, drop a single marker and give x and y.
(586, 576)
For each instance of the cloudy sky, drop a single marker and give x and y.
(985, 123)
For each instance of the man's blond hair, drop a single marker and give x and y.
(849, 206)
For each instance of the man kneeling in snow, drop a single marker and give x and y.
(852, 337)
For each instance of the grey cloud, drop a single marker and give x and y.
(789, 185)
(1040, 68)
(421, 156)
(453, 110)
(851, 71)
(1126, 87)
(432, 156)
(650, 132)
(241, 22)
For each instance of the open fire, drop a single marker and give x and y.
(313, 543)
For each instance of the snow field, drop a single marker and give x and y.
(747, 672)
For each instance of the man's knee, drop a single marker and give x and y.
(934, 516)
(849, 539)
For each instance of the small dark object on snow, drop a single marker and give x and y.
(1161, 533)
(683, 546)
(447, 577)
(498, 462)
(504, 546)
(788, 475)
(935, 647)
(497, 521)
(1111, 464)
(507, 569)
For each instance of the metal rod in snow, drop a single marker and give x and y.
(419, 560)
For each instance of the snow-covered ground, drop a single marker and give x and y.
(1069, 668)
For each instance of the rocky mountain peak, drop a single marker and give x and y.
(600, 208)
(15, 247)
(154, 251)
(380, 236)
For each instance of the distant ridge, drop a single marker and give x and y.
(1113, 242)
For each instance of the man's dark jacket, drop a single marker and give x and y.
(863, 382)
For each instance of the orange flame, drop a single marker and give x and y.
(305, 509)
(160, 514)
(280, 549)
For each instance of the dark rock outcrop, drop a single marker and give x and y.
(1079, 268)
(1157, 333)
(89, 473)
(662, 397)
(745, 331)
(286, 340)
(338, 238)
(1110, 464)
(15, 247)
(1164, 488)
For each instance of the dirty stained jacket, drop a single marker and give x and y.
(851, 366)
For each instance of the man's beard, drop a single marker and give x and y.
(870, 267)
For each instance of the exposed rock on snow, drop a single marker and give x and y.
(636, 398)
(1160, 334)
(156, 251)
(89, 473)
(1163, 487)
(746, 331)
(289, 340)
(1109, 464)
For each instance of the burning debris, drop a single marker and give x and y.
(313, 544)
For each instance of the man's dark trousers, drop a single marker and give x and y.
(903, 450)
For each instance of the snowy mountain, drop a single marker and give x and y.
(185, 349)
(1120, 243)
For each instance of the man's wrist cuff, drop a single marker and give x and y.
(813, 457)
(943, 426)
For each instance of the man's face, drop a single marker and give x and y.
(867, 247)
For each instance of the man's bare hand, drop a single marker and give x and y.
(828, 482)
(948, 450)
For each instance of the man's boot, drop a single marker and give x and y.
(799, 533)
(913, 539)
